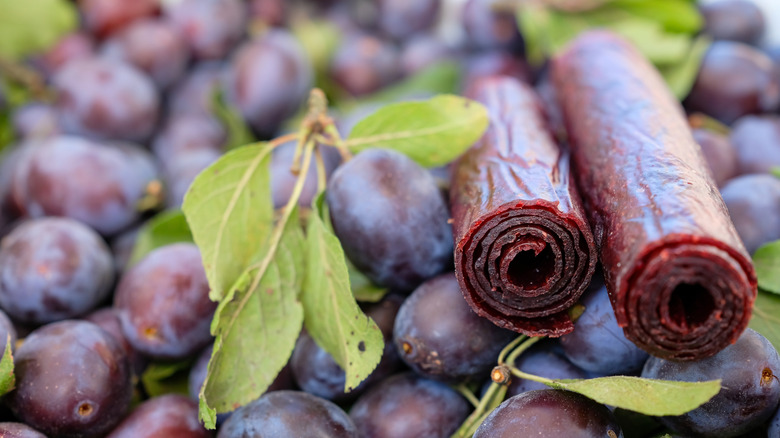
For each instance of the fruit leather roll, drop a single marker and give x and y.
(524, 250)
(680, 280)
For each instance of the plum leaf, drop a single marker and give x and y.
(166, 227)
(432, 132)
(646, 396)
(332, 316)
(33, 25)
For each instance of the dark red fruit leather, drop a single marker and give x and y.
(680, 280)
(524, 251)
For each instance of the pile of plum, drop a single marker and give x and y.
(131, 122)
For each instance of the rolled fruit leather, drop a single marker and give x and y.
(524, 250)
(681, 283)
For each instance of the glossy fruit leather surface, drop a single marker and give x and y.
(524, 250)
(681, 283)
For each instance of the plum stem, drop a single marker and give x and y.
(26, 77)
(523, 375)
(510, 360)
(259, 269)
(509, 347)
(321, 176)
(466, 392)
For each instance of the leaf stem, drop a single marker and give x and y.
(296, 167)
(321, 176)
(509, 347)
(278, 141)
(510, 360)
(287, 211)
(338, 142)
(465, 430)
(496, 391)
(262, 266)
(466, 392)
(523, 375)
(27, 77)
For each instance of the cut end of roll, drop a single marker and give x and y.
(690, 306)
(530, 270)
(524, 268)
(687, 301)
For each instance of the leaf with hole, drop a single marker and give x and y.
(332, 316)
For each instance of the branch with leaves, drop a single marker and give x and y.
(646, 396)
(270, 278)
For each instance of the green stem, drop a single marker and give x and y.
(28, 78)
(510, 360)
(262, 266)
(303, 140)
(509, 347)
(465, 392)
(496, 392)
(331, 131)
(523, 375)
(321, 176)
(278, 141)
(472, 422)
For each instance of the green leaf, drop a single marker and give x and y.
(238, 133)
(164, 228)
(681, 75)
(679, 16)
(332, 316)
(256, 326)
(636, 424)
(766, 317)
(646, 396)
(432, 132)
(6, 131)
(362, 288)
(775, 171)
(167, 378)
(766, 259)
(31, 26)
(229, 210)
(649, 37)
(319, 39)
(206, 414)
(7, 378)
(533, 20)
(661, 30)
(440, 78)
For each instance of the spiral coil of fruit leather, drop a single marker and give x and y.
(524, 250)
(680, 280)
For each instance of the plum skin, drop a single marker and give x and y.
(549, 412)
(52, 269)
(391, 219)
(750, 389)
(163, 303)
(73, 379)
